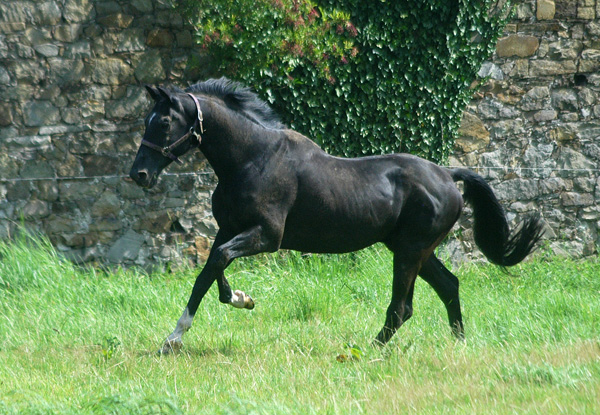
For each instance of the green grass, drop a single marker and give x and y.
(84, 341)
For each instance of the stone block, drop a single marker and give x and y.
(154, 222)
(107, 205)
(70, 191)
(104, 8)
(185, 39)
(570, 159)
(117, 20)
(150, 68)
(80, 240)
(519, 68)
(590, 61)
(92, 110)
(35, 209)
(202, 245)
(8, 165)
(67, 71)
(566, 9)
(78, 10)
(6, 114)
(142, 6)
(545, 115)
(111, 71)
(517, 45)
(32, 141)
(47, 13)
(576, 199)
(127, 247)
(70, 166)
(67, 32)
(99, 165)
(494, 109)
(76, 50)
(37, 168)
(16, 191)
(131, 40)
(47, 50)
(551, 68)
(56, 224)
(536, 98)
(586, 13)
(593, 28)
(555, 185)
(28, 72)
(565, 49)
(563, 134)
(8, 27)
(133, 106)
(47, 190)
(517, 190)
(472, 134)
(159, 38)
(129, 190)
(565, 99)
(4, 76)
(105, 224)
(63, 129)
(545, 9)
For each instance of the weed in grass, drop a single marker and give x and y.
(109, 347)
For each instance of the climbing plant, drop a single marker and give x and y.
(359, 77)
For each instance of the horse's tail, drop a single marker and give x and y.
(491, 231)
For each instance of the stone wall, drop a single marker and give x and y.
(71, 108)
(72, 104)
(534, 128)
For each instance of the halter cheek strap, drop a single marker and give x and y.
(168, 150)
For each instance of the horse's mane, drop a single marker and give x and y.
(239, 98)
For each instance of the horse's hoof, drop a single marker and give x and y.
(242, 300)
(170, 347)
(249, 303)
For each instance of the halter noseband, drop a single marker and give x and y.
(168, 150)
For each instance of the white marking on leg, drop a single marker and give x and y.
(240, 299)
(174, 341)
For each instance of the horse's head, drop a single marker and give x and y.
(173, 127)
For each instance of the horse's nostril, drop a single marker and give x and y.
(142, 175)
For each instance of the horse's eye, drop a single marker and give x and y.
(164, 123)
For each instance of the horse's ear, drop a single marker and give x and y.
(160, 93)
(154, 92)
(164, 93)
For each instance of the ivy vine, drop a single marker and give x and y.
(358, 77)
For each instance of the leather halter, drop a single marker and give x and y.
(168, 150)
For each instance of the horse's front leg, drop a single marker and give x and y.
(237, 298)
(251, 242)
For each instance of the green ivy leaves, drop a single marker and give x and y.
(359, 77)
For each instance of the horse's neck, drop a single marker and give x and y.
(232, 141)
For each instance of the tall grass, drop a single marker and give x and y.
(84, 341)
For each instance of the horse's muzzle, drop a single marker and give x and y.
(143, 178)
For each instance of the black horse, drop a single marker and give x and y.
(278, 189)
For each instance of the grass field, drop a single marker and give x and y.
(76, 341)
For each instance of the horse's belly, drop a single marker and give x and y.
(320, 233)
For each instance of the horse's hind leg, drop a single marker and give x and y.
(445, 285)
(400, 308)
